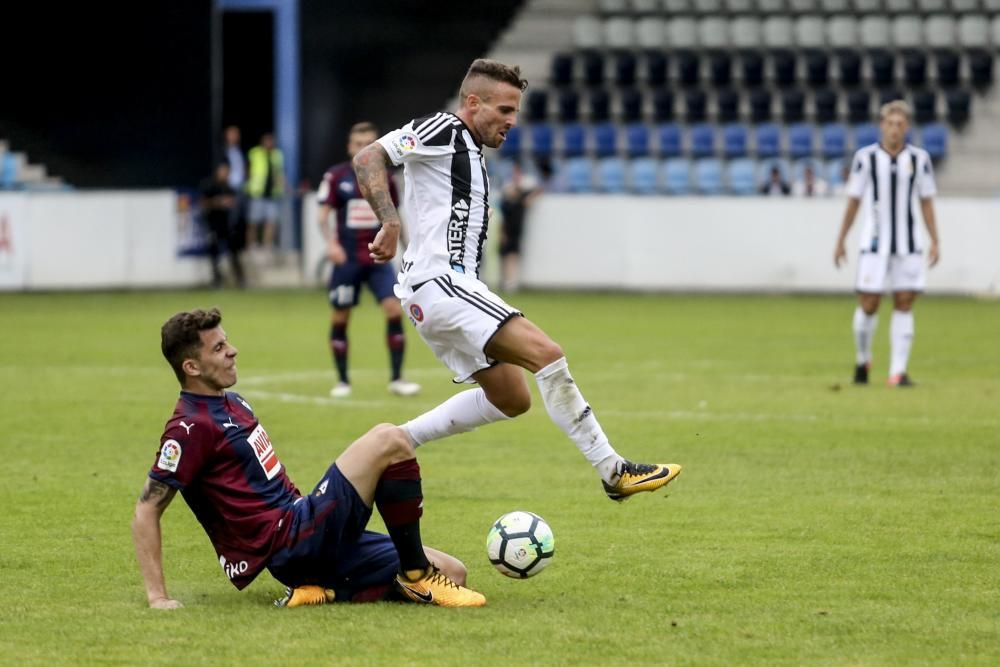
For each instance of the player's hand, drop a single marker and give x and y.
(336, 253)
(839, 254)
(383, 248)
(934, 254)
(165, 603)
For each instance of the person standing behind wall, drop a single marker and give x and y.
(266, 188)
(232, 153)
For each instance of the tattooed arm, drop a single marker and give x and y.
(152, 502)
(371, 167)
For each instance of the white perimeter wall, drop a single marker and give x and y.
(130, 239)
(607, 241)
(91, 240)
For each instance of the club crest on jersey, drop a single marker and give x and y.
(170, 456)
(416, 312)
(264, 451)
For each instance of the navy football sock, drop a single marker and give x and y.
(399, 499)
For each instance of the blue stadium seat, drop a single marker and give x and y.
(668, 137)
(742, 176)
(800, 141)
(645, 176)
(541, 141)
(611, 175)
(631, 106)
(562, 69)
(734, 141)
(500, 171)
(695, 106)
(677, 176)
(836, 172)
(578, 175)
(8, 172)
(768, 140)
(935, 140)
(574, 140)
(593, 68)
(708, 176)
(663, 106)
(702, 140)
(600, 106)
(760, 106)
(511, 147)
(834, 140)
(625, 65)
(865, 134)
(538, 106)
(569, 106)
(637, 140)
(605, 140)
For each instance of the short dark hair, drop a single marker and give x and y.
(495, 71)
(364, 126)
(180, 336)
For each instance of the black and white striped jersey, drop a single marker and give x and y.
(890, 189)
(445, 199)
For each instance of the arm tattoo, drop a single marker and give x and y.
(157, 493)
(373, 179)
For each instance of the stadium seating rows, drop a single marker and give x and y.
(704, 140)
(675, 176)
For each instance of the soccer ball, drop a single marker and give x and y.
(520, 544)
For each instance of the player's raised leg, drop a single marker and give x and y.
(383, 469)
(521, 343)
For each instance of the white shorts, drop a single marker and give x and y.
(898, 273)
(457, 316)
(263, 210)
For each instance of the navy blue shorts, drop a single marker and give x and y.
(346, 280)
(329, 546)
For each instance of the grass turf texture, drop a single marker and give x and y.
(816, 523)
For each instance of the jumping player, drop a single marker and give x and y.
(347, 248)
(474, 332)
(218, 455)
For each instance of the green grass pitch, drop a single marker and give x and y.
(816, 523)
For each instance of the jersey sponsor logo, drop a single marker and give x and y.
(187, 428)
(170, 456)
(321, 489)
(233, 570)
(417, 313)
(264, 451)
(229, 424)
(457, 227)
(360, 215)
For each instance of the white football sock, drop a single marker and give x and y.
(570, 412)
(461, 413)
(864, 333)
(901, 339)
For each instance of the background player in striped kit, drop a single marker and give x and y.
(479, 336)
(347, 247)
(894, 182)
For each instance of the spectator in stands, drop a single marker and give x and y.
(266, 188)
(775, 185)
(218, 199)
(810, 185)
(517, 196)
(232, 153)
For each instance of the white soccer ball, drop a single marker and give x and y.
(520, 544)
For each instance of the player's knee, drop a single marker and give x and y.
(393, 443)
(514, 403)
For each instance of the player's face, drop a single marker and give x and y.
(359, 140)
(217, 360)
(894, 128)
(496, 114)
